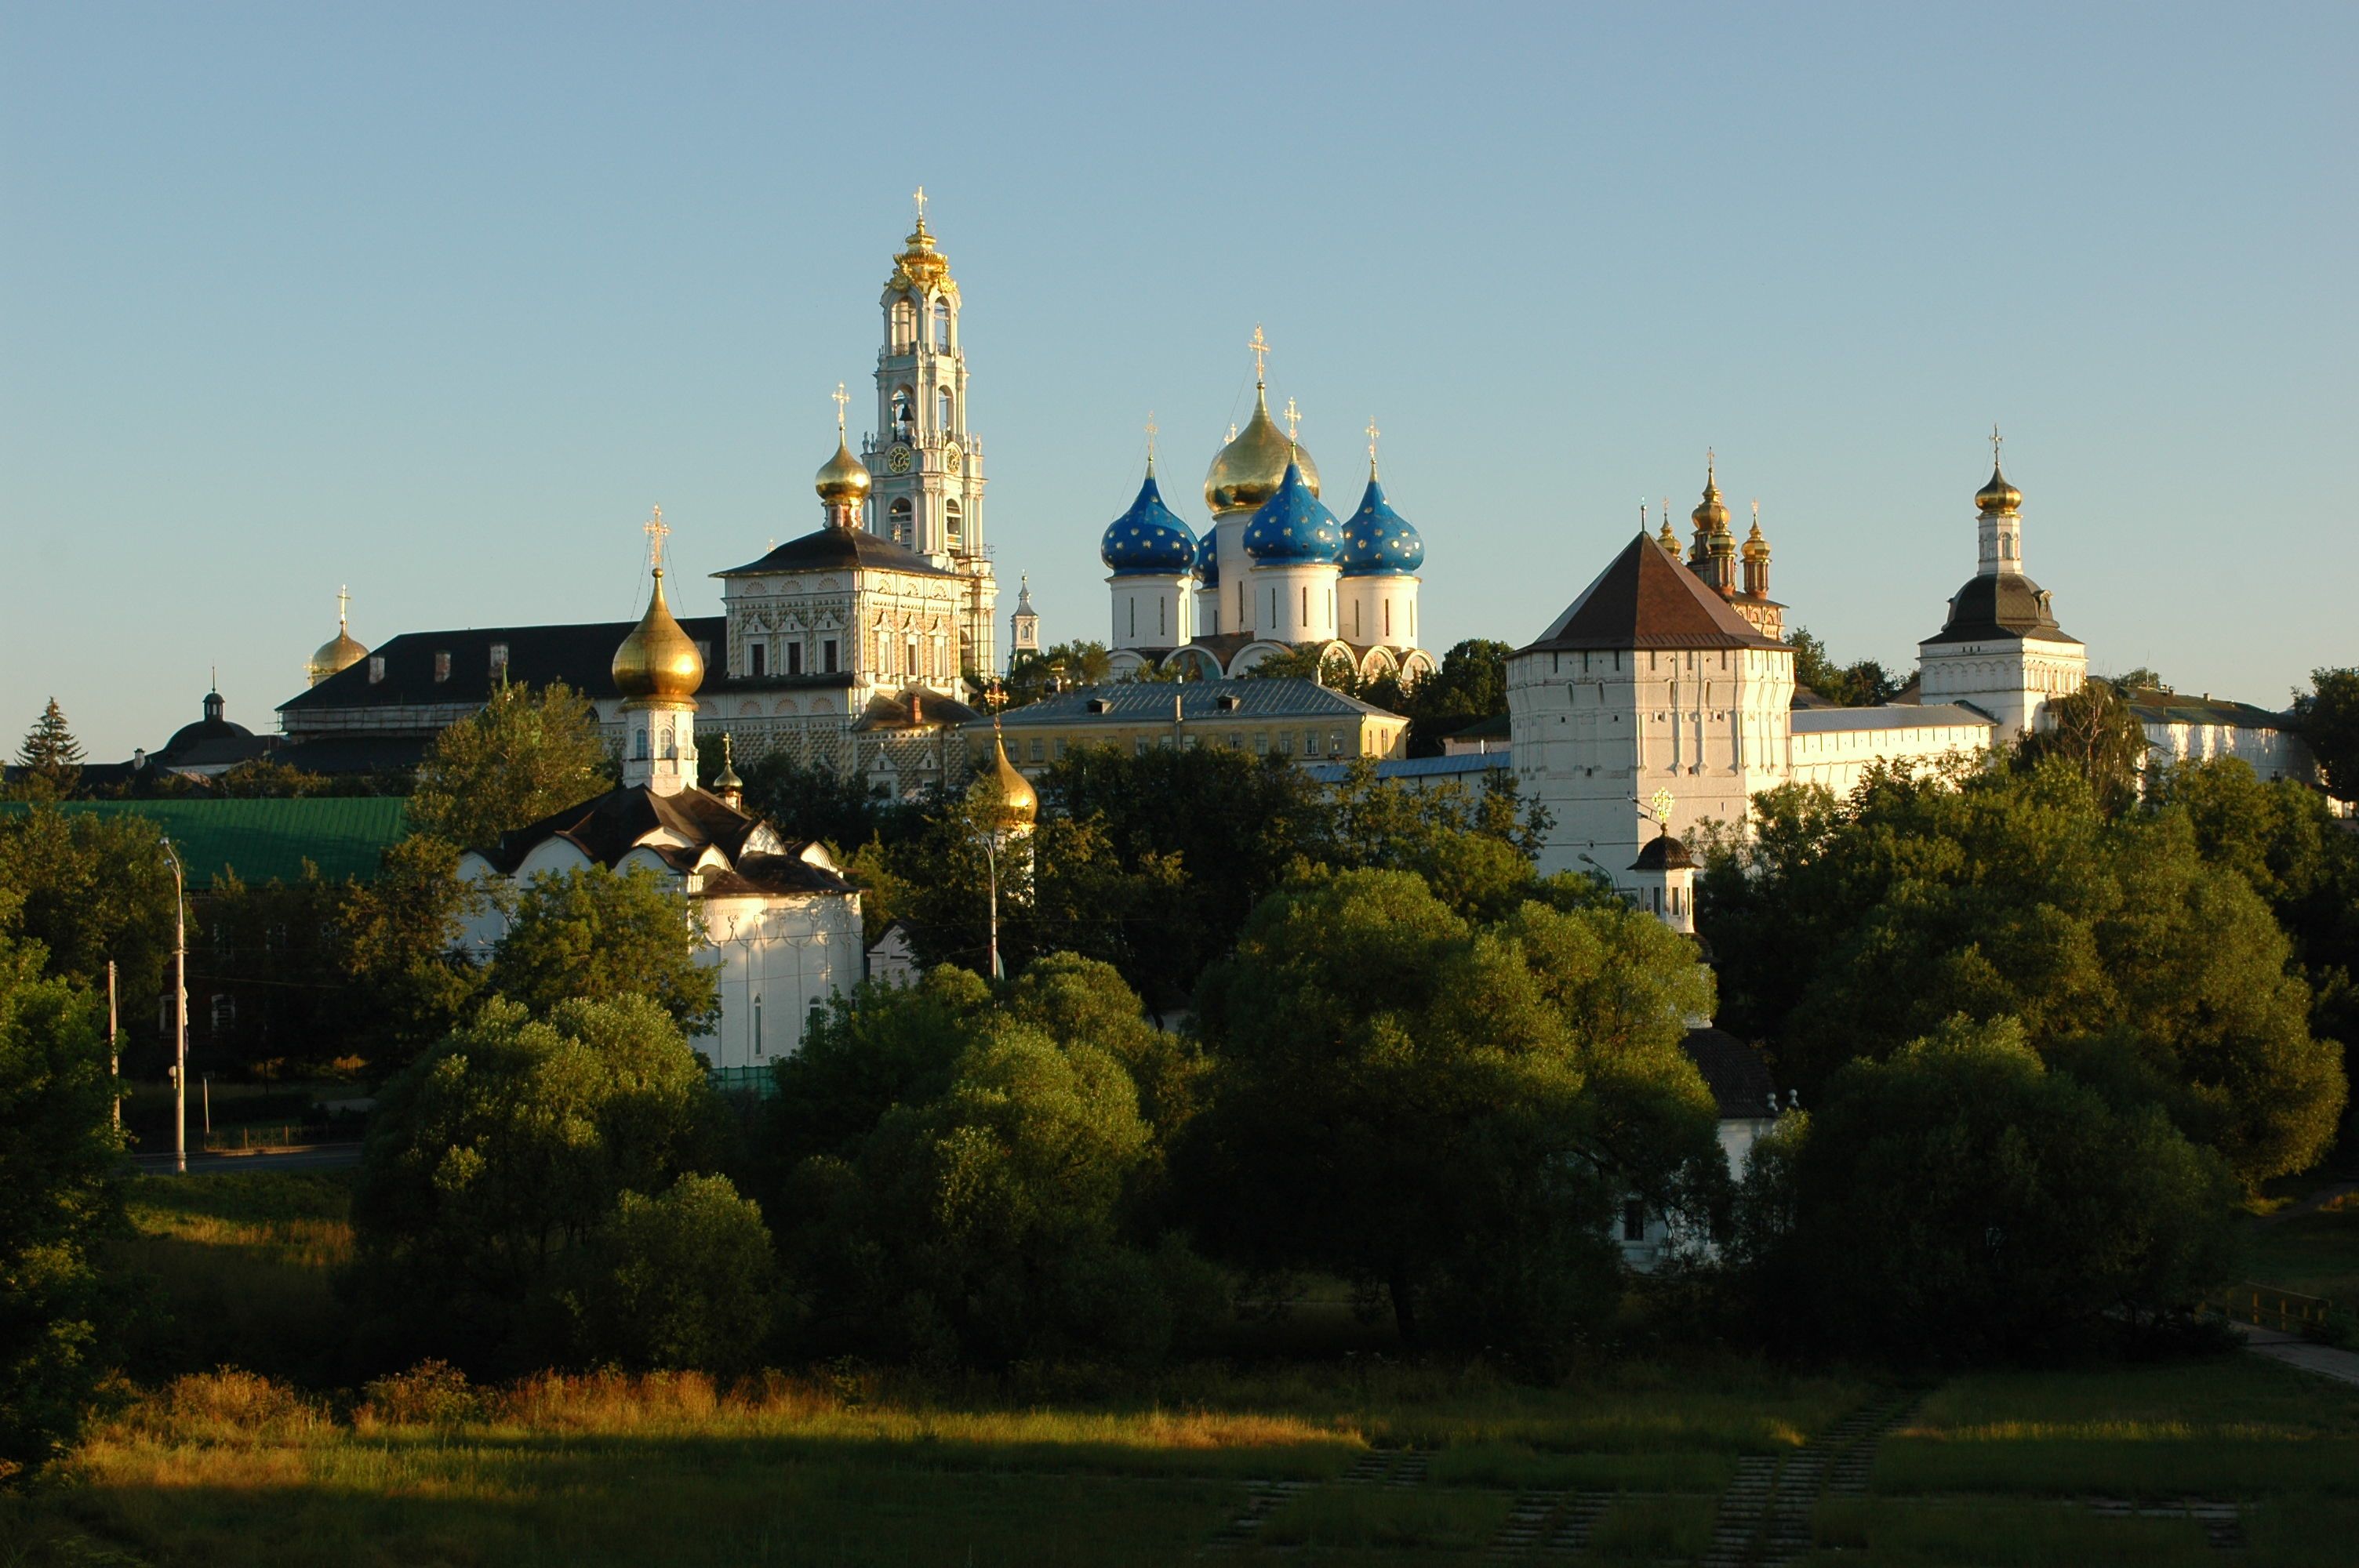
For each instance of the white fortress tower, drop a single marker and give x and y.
(926, 462)
(2001, 651)
(1648, 684)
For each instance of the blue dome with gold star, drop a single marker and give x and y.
(1208, 558)
(1293, 526)
(1148, 538)
(1378, 541)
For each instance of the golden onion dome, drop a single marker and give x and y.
(1712, 511)
(1756, 548)
(1246, 471)
(656, 660)
(1998, 495)
(842, 480)
(1668, 540)
(1019, 804)
(339, 653)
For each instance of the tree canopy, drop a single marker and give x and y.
(606, 934)
(526, 752)
(1061, 667)
(1447, 1111)
(2092, 730)
(49, 755)
(2328, 714)
(61, 1167)
(1958, 1201)
(1847, 929)
(1862, 682)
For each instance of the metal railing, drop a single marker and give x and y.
(274, 1135)
(2266, 1306)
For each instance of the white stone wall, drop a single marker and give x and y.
(1838, 758)
(1150, 610)
(2271, 754)
(1595, 734)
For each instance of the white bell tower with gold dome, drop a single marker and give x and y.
(927, 464)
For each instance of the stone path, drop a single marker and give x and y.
(1765, 1515)
(1263, 1499)
(2223, 1527)
(2342, 1366)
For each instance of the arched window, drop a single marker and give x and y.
(670, 745)
(902, 523)
(942, 323)
(639, 745)
(953, 524)
(943, 409)
(905, 413)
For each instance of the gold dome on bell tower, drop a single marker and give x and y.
(340, 652)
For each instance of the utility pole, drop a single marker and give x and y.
(181, 1025)
(114, 1048)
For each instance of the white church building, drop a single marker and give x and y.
(781, 924)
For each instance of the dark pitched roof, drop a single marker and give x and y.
(892, 711)
(263, 840)
(2006, 605)
(839, 549)
(1664, 853)
(1739, 1079)
(1645, 600)
(775, 875)
(608, 827)
(581, 655)
(1150, 702)
(2156, 707)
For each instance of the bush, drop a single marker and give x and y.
(1961, 1202)
(682, 1282)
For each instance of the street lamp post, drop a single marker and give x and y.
(181, 1011)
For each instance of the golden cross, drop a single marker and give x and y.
(918, 195)
(842, 397)
(1260, 347)
(1293, 420)
(343, 598)
(1711, 466)
(1756, 512)
(1151, 439)
(656, 530)
(1373, 434)
(1996, 441)
(1663, 802)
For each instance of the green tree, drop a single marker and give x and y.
(1328, 666)
(50, 756)
(278, 952)
(525, 754)
(1849, 929)
(401, 938)
(95, 886)
(1864, 683)
(1960, 1201)
(974, 1181)
(1061, 667)
(506, 1146)
(604, 935)
(1449, 1112)
(684, 1281)
(1470, 686)
(2329, 715)
(60, 1162)
(816, 803)
(2094, 730)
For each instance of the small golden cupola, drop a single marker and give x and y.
(842, 482)
(1019, 804)
(1998, 496)
(1248, 469)
(338, 653)
(1710, 515)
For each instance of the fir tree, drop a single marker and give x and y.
(50, 756)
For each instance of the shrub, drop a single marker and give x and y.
(684, 1281)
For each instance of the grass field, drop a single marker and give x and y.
(1346, 1460)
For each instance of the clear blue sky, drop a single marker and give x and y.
(436, 300)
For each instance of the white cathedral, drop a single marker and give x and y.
(1276, 570)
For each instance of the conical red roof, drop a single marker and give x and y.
(1645, 600)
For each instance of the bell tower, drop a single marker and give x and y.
(927, 464)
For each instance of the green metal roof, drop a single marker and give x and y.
(262, 840)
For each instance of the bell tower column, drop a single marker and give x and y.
(927, 464)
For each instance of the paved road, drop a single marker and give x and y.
(2342, 1366)
(311, 1157)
